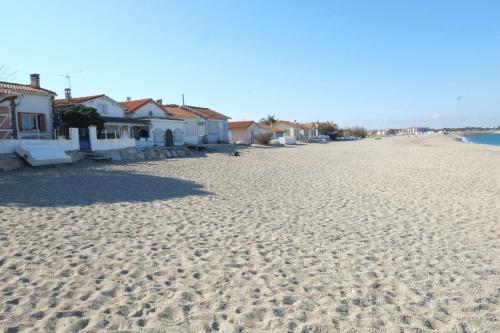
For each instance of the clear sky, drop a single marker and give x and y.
(371, 63)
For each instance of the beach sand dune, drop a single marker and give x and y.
(392, 235)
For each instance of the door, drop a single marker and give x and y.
(83, 136)
(169, 138)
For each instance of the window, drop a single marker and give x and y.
(103, 108)
(178, 135)
(31, 121)
(191, 128)
(213, 128)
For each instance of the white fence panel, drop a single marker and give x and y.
(9, 146)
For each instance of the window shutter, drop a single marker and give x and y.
(19, 116)
(43, 127)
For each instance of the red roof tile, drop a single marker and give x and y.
(17, 88)
(205, 112)
(288, 123)
(270, 128)
(133, 105)
(240, 124)
(307, 125)
(177, 111)
(76, 100)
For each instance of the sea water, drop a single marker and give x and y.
(483, 138)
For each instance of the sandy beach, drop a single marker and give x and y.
(392, 235)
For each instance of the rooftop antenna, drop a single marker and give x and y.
(183, 99)
(67, 78)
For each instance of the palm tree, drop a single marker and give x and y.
(269, 120)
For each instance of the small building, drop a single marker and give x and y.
(292, 131)
(309, 131)
(26, 110)
(244, 131)
(195, 124)
(215, 124)
(164, 129)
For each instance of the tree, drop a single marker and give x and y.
(80, 116)
(269, 120)
(5, 73)
(263, 138)
(327, 127)
(359, 132)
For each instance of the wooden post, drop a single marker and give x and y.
(13, 118)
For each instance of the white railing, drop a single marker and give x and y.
(108, 144)
(9, 146)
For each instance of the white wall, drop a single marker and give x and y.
(164, 124)
(143, 111)
(239, 134)
(32, 103)
(112, 109)
(223, 130)
(108, 144)
(10, 146)
(193, 139)
(287, 141)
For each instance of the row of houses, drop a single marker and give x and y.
(401, 131)
(28, 111)
(283, 131)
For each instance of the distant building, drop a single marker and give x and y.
(414, 130)
(309, 131)
(244, 131)
(292, 131)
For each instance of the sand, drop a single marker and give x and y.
(392, 235)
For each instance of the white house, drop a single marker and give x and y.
(25, 110)
(216, 124)
(195, 125)
(112, 112)
(309, 131)
(164, 129)
(291, 134)
(244, 131)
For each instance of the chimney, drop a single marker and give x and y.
(159, 101)
(67, 94)
(35, 80)
(128, 99)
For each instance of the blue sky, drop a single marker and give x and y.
(371, 63)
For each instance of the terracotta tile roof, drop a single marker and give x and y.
(134, 104)
(10, 88)
(240, 124)
(270, 128)
(288, 123)
(76, 100)
(205, 112)
(160, 118)
(177, 111)
(307, 125)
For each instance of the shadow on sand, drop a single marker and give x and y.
(70, 186)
